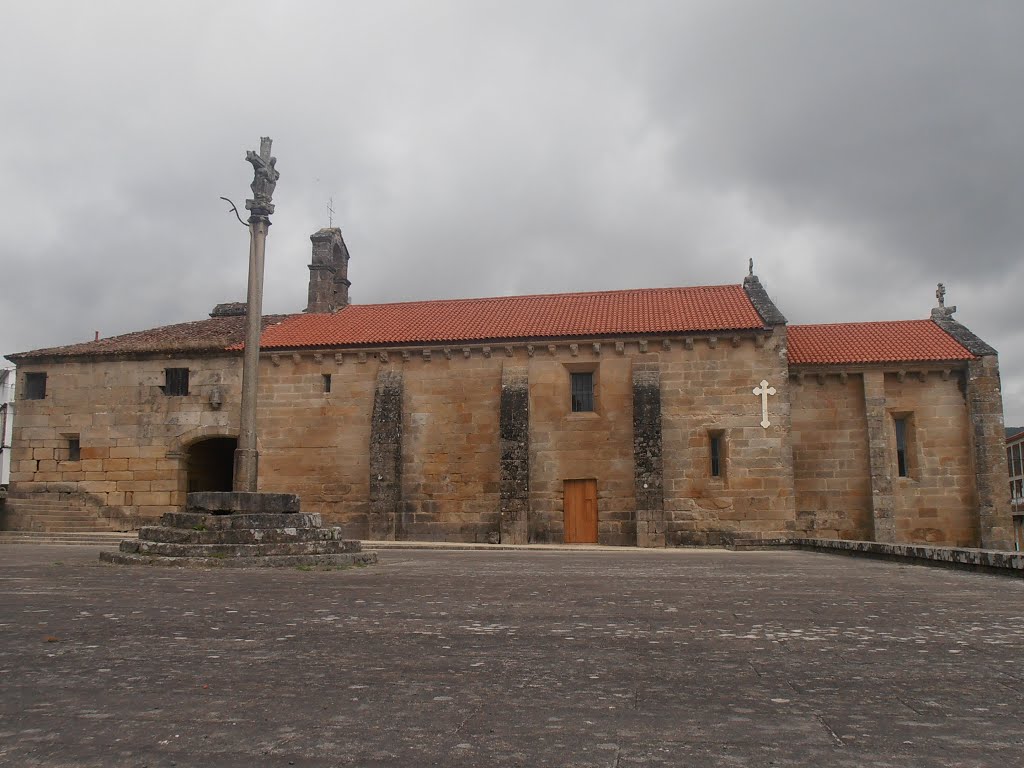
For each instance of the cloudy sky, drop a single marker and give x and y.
(859, 152)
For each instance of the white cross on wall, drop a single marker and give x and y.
(764, 390)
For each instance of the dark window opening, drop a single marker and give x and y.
(901, 447)
(210, 464)
(715, 446)
(582, 386)
(327, 382)
(175, 381)
(35, 386)
(74, 449)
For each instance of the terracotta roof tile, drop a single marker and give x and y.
(898, 341)
(214, 334)
(654, 310)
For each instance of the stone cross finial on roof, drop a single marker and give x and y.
(942, 312)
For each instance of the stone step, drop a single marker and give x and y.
(38, 498)
(162, 549)
(199, 521)
(341, 560)
(236, 536)
(40, 537)
(751, 544)
(57, 514)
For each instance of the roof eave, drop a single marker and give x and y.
(751, 330)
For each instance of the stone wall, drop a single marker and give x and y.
(575, 446)
(707, 387)
(451, 448)
(988, 445)
(316, 443)
(131, 434)
(831, 467)
(476, 443)
(936, 503)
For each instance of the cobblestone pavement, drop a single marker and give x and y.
(614, 659)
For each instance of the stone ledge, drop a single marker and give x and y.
(238, 535)
(986, 560)
(279, 561)
(226, 503)
(316, 547)
(200, 521)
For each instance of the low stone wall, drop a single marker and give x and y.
(987, 560)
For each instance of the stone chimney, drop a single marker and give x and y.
(328, 274)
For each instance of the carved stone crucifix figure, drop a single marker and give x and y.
(265, 177)
(764, 390)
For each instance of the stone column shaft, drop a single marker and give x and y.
(647, 456)
(386, 457)
(246, 469)
(514, 428)
(882, 498)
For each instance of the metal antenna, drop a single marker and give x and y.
(330, 212)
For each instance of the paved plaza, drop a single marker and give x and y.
(510, 658)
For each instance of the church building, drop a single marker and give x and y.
(652, 418)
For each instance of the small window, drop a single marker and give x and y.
(582, 385)
(35, 386)
(74, 449)
(327, 382)
(902, 455)
(716, 454)
(175, 381)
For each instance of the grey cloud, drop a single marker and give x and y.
(860, 152)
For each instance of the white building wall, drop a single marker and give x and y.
(1015, 463)
(7, 379)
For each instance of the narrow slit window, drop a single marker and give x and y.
(35, 386)
(715, 451)
(582, 386)
(327, 382)
(74, 449)
(902, 466)
(175, 382)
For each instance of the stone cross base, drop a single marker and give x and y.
(238, 530)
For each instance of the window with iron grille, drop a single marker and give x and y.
(715, 445)
(175, 381)
(902, 456)
(35, 386)
(582, 386)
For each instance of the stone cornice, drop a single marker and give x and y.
(594, 347)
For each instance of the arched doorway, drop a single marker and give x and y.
(210, 464)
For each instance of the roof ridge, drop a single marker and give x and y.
(617, 291)
(861, 323)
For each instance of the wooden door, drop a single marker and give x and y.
(580, 505)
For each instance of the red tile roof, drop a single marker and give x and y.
(608, 313)
(898, 341)
(652, 310)
(213, 335)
